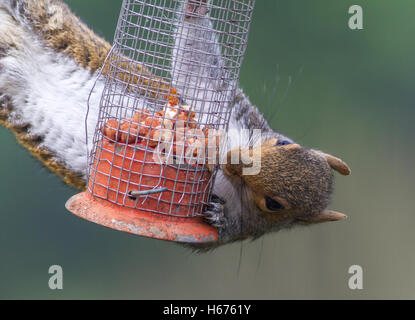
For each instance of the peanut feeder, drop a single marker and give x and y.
(170, 80)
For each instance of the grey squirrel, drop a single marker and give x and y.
(49, 60)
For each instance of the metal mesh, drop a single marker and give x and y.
(169, 84)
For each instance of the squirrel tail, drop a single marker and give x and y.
(40, 90)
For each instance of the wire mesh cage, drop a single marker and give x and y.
(170, 80)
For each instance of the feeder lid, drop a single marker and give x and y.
(146, 224)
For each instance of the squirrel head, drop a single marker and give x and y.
(294, 184)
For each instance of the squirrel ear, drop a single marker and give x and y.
(337, 164)
(324, 216)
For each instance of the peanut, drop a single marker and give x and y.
(140, 116)
(129, 133)
(173, 99)
(110, 130)
(152, 122)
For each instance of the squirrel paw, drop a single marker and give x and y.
(214, 213)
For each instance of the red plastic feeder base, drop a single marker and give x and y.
(142, 223)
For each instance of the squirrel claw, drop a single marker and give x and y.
(217, 199)
(214, 213)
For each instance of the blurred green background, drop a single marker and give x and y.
(350, 93)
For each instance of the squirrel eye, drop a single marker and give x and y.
(283, 143)
(273, 205)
